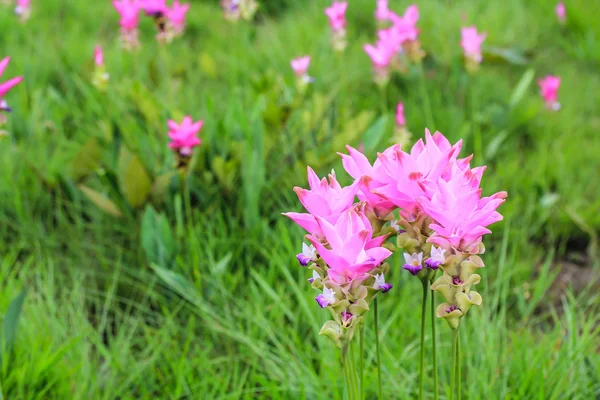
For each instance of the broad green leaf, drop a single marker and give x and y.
(10, 322)
(522, 87)
(86, 159)
(512, 56)
(133, 178)
(161, 185)
(372, 137)
(101, 201)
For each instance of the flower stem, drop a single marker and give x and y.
(379, 387)
(453, 368)
(458, 380)
(347, 368)
(435, 371)
(423, 317)
(361, 361)
(355, 389)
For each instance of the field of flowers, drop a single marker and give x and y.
(287, 200)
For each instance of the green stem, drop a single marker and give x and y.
(379, 387)
(347, 371)
(453, 368)
(423, 317)
(187, 199)
(477, 142)
(355, 389)
(458, 380)
(435, 371)
(361, 361)
(425, 96)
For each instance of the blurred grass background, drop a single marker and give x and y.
(150, 305)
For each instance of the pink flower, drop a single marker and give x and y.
(23, 9)
(400, 120)
(382, 11)
(380, 54)
(561, 12)
(9, 84)
(99, 56)
(404, 176)
(353, 252)
(471, 43)
(300, 66)
(461, 216)
(549, 89)
(154, 7)
(327, 200)
(176, 15)
(406, 26)
(129, 10)
(184, 136)
(337, 15)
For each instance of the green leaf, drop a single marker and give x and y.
(512, 55)
(208, 65)
(161, 186)
(522, 86)
(372, 137)
(86, 159)
(178, 284)
(133, 178)
(157, 238)
(495, 144)
(101, 201)
(10, 322)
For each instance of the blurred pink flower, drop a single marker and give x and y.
(561, 12)
(400, 120)
(184, 136)
(129, 10)
(300, 66)
(406, 26)
(549, 86)
(154, 7)
(471, 43)
(380, 54)
(23, 9)
(382, 11)
(98, 56)
(9, 84)
(337, 15)
(176, 15)
(352, 251)
(327, 200)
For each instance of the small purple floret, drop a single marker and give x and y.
(401, 231)
(346, 316)
(323, 302)
(450, 309)
(456, 281)
(311, 280)
(385, 287)
(303, 259)
(413, 269)
(432, 264)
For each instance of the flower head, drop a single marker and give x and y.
(380, 54)
(184, 136)
(352, 250)
(437, 258)
(381, 285)
(98, 56)
(400, 120)
(549, 86)
(561, 12)
(471, 42)
(154, 7)
(405, 27)
(176, 15)
(5, 87)
(327, 200)
(382, 11)
(300, 66)
(414, 262)
(326, 298)
(337, 15)
(129, 11)
(309, 253)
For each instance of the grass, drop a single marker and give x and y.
(226, 313)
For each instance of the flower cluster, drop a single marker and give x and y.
(170, 21)
(5, 87)
(549, 86)
(184, 137)
(300, 67)
(395, 43)
(101, 76)
(337, 21)
(471, 42)
(235, 10)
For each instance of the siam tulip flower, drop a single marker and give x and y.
(5, 87)
(184, 136)
(382, 11)
(471, 42)
(176, 16)
(327, 298)
(549, 86)
(437, 258)
(400, 119)
(23, 9)
(98, 56)
(300, 67)
(309, 254)
(561, 12)
(401, 133)
(327, 200)
(129, 11)
(405, 31)
(381, 285)
(414, 263)
(337, 21)
(352, 252)
(154, 8)
(381, 55)
(101, 77)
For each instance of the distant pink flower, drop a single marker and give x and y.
(461, 215)
(129, 11)
(23, 9)
(327, 200)
(561, 12)
(300, 66)
(99, 56)
(382, 11)
(549, 89)
(352, 251)
(154, 7)
(380, 54)
(176, 15)
(471, 43)
(406, 26)
(5, 87)
(337, 15)
(400, 120)
(184, 136)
